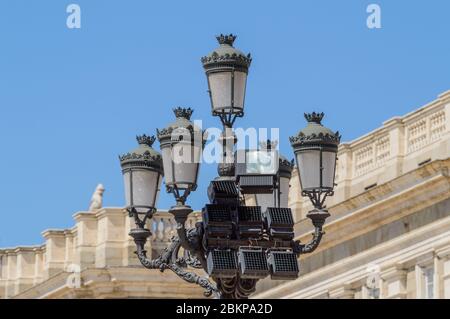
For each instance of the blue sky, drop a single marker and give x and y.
(72, 100)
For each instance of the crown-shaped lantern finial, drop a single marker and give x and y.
(314, 117)
(146, 139)
(181, 112)
(268, 145)
(226, 39)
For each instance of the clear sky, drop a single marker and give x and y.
(71, 100)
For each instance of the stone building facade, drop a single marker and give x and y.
(388, 235)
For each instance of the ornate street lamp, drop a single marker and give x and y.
(315, 149)
(226, 70)
(237, 245)
(181, 146)
(142, 173)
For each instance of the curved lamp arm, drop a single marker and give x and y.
(318, 217)
(169, 256)
(300, 248)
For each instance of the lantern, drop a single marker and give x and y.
(142, 173)
(181, 147)
(226, 70)
(315, 149)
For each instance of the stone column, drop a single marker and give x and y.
(397, 149)
(11, 273)
(25, 268)
(3, 266)
(394, 283)
(295, 199)
(422, 262)
(39, 265)
(55, 245)
(110, 237)
(343, 175)
(86, 239)
(443, 272)
(70, 243)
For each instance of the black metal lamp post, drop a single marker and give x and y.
(235, 244)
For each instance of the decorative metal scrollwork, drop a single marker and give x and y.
(168, 260)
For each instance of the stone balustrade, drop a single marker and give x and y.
(163, 227)
(98, 240)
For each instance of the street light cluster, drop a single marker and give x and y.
(235, 243)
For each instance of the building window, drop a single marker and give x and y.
(428, 282)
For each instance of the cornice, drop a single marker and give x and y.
(383, 204)
(420, 259)
(343, 291)
(25, 249)
(53, 233)
(445, 97)
(393, 273)
(79, 216)
(110, 211)
(389, 256)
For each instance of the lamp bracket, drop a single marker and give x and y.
(140, 221)
(228, 119)
(318, 218)
(318, 197)
(168, 259)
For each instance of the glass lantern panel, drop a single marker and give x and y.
(186, 162)
(328, 164)
(309, 169)
(126, 184)
(167, 164)
(240, 81)
(145, 187)
(220, 86)
(159, 190)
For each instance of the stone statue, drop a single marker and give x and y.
(97, 198)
